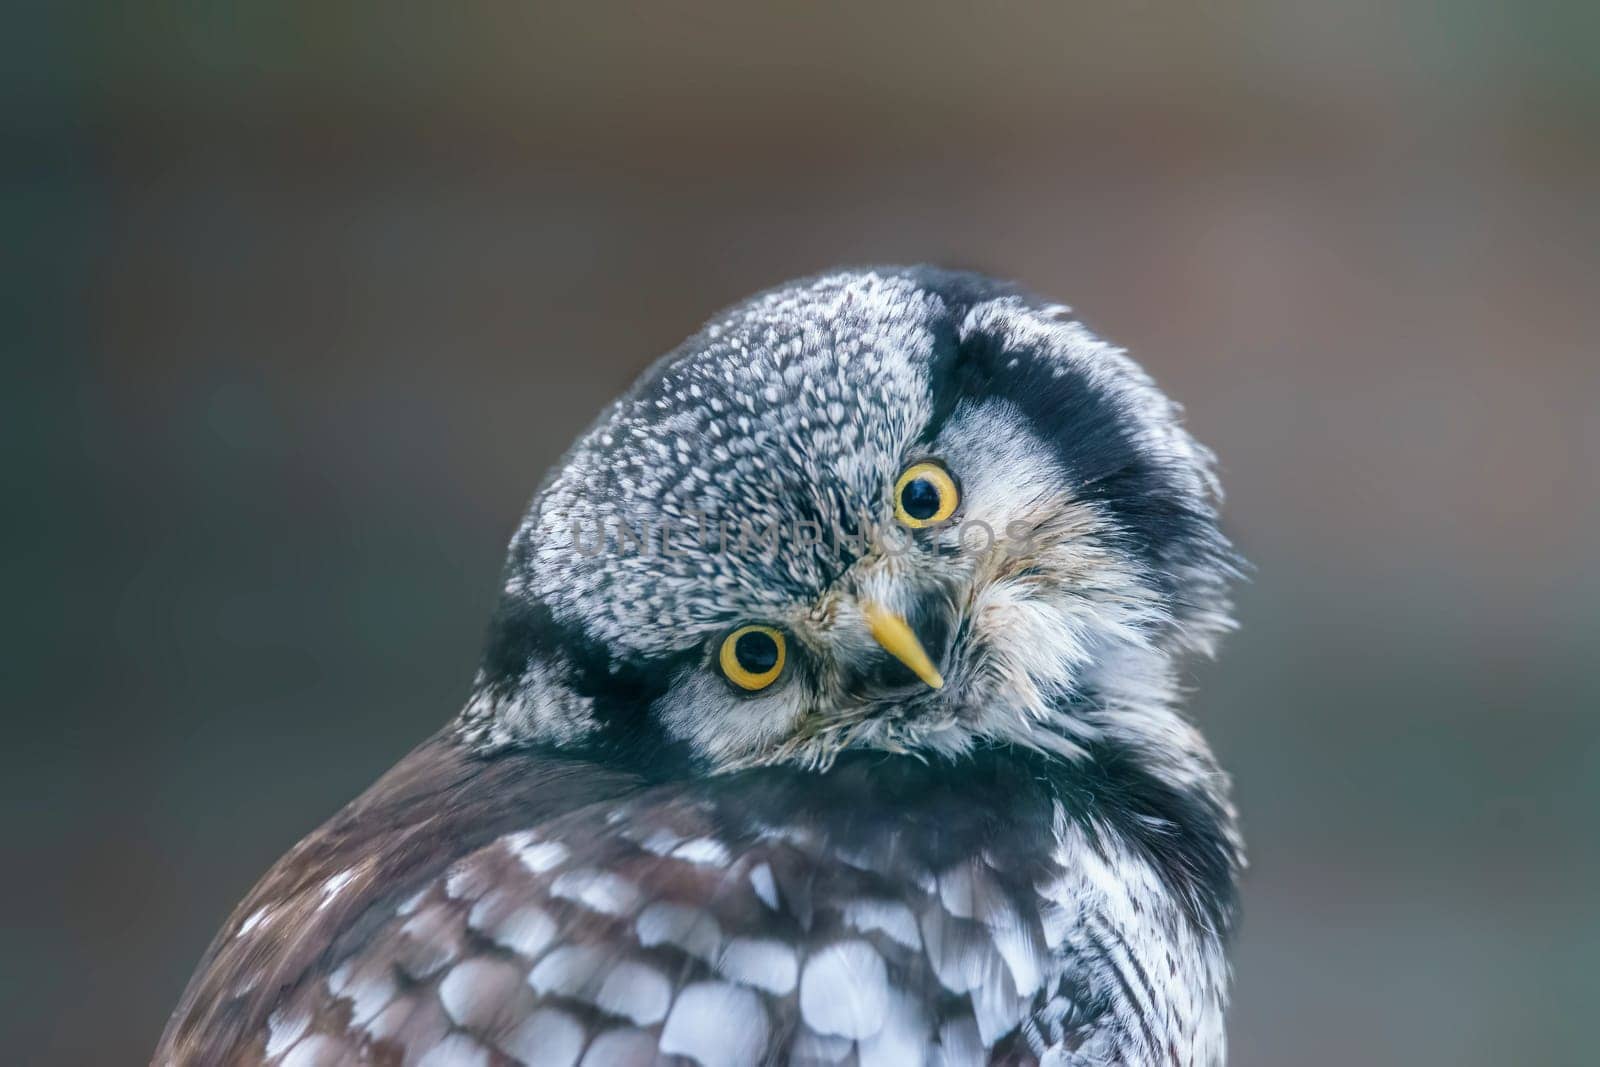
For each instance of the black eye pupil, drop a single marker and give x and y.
(756, 652)
(920, 499)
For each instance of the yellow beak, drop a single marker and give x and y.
(897, 639)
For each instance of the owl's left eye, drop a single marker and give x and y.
(752, 657)
(925, 495)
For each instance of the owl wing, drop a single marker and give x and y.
(746, 921)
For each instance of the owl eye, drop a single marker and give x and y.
(752, 657)
(925, 495)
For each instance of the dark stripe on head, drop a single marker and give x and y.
(1094, 435)
(524, 632)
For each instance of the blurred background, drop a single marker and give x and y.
(306, 299)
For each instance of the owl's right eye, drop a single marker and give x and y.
(752, 657)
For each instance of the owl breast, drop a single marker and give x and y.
(885, 912)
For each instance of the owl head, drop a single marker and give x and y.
(895, 509)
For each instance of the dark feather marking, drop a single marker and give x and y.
(1194, 854)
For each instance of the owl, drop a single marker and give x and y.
(828, 715)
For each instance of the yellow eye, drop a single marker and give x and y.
(925, 495)
(752, 657)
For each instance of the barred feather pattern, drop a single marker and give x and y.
(702, 926)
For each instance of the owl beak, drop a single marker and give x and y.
(897, 638)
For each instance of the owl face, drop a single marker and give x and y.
(896, 509)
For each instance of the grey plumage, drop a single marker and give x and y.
(613, 848)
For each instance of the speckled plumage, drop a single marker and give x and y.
(614, 856)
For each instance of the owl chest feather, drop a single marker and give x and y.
(887, 910)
